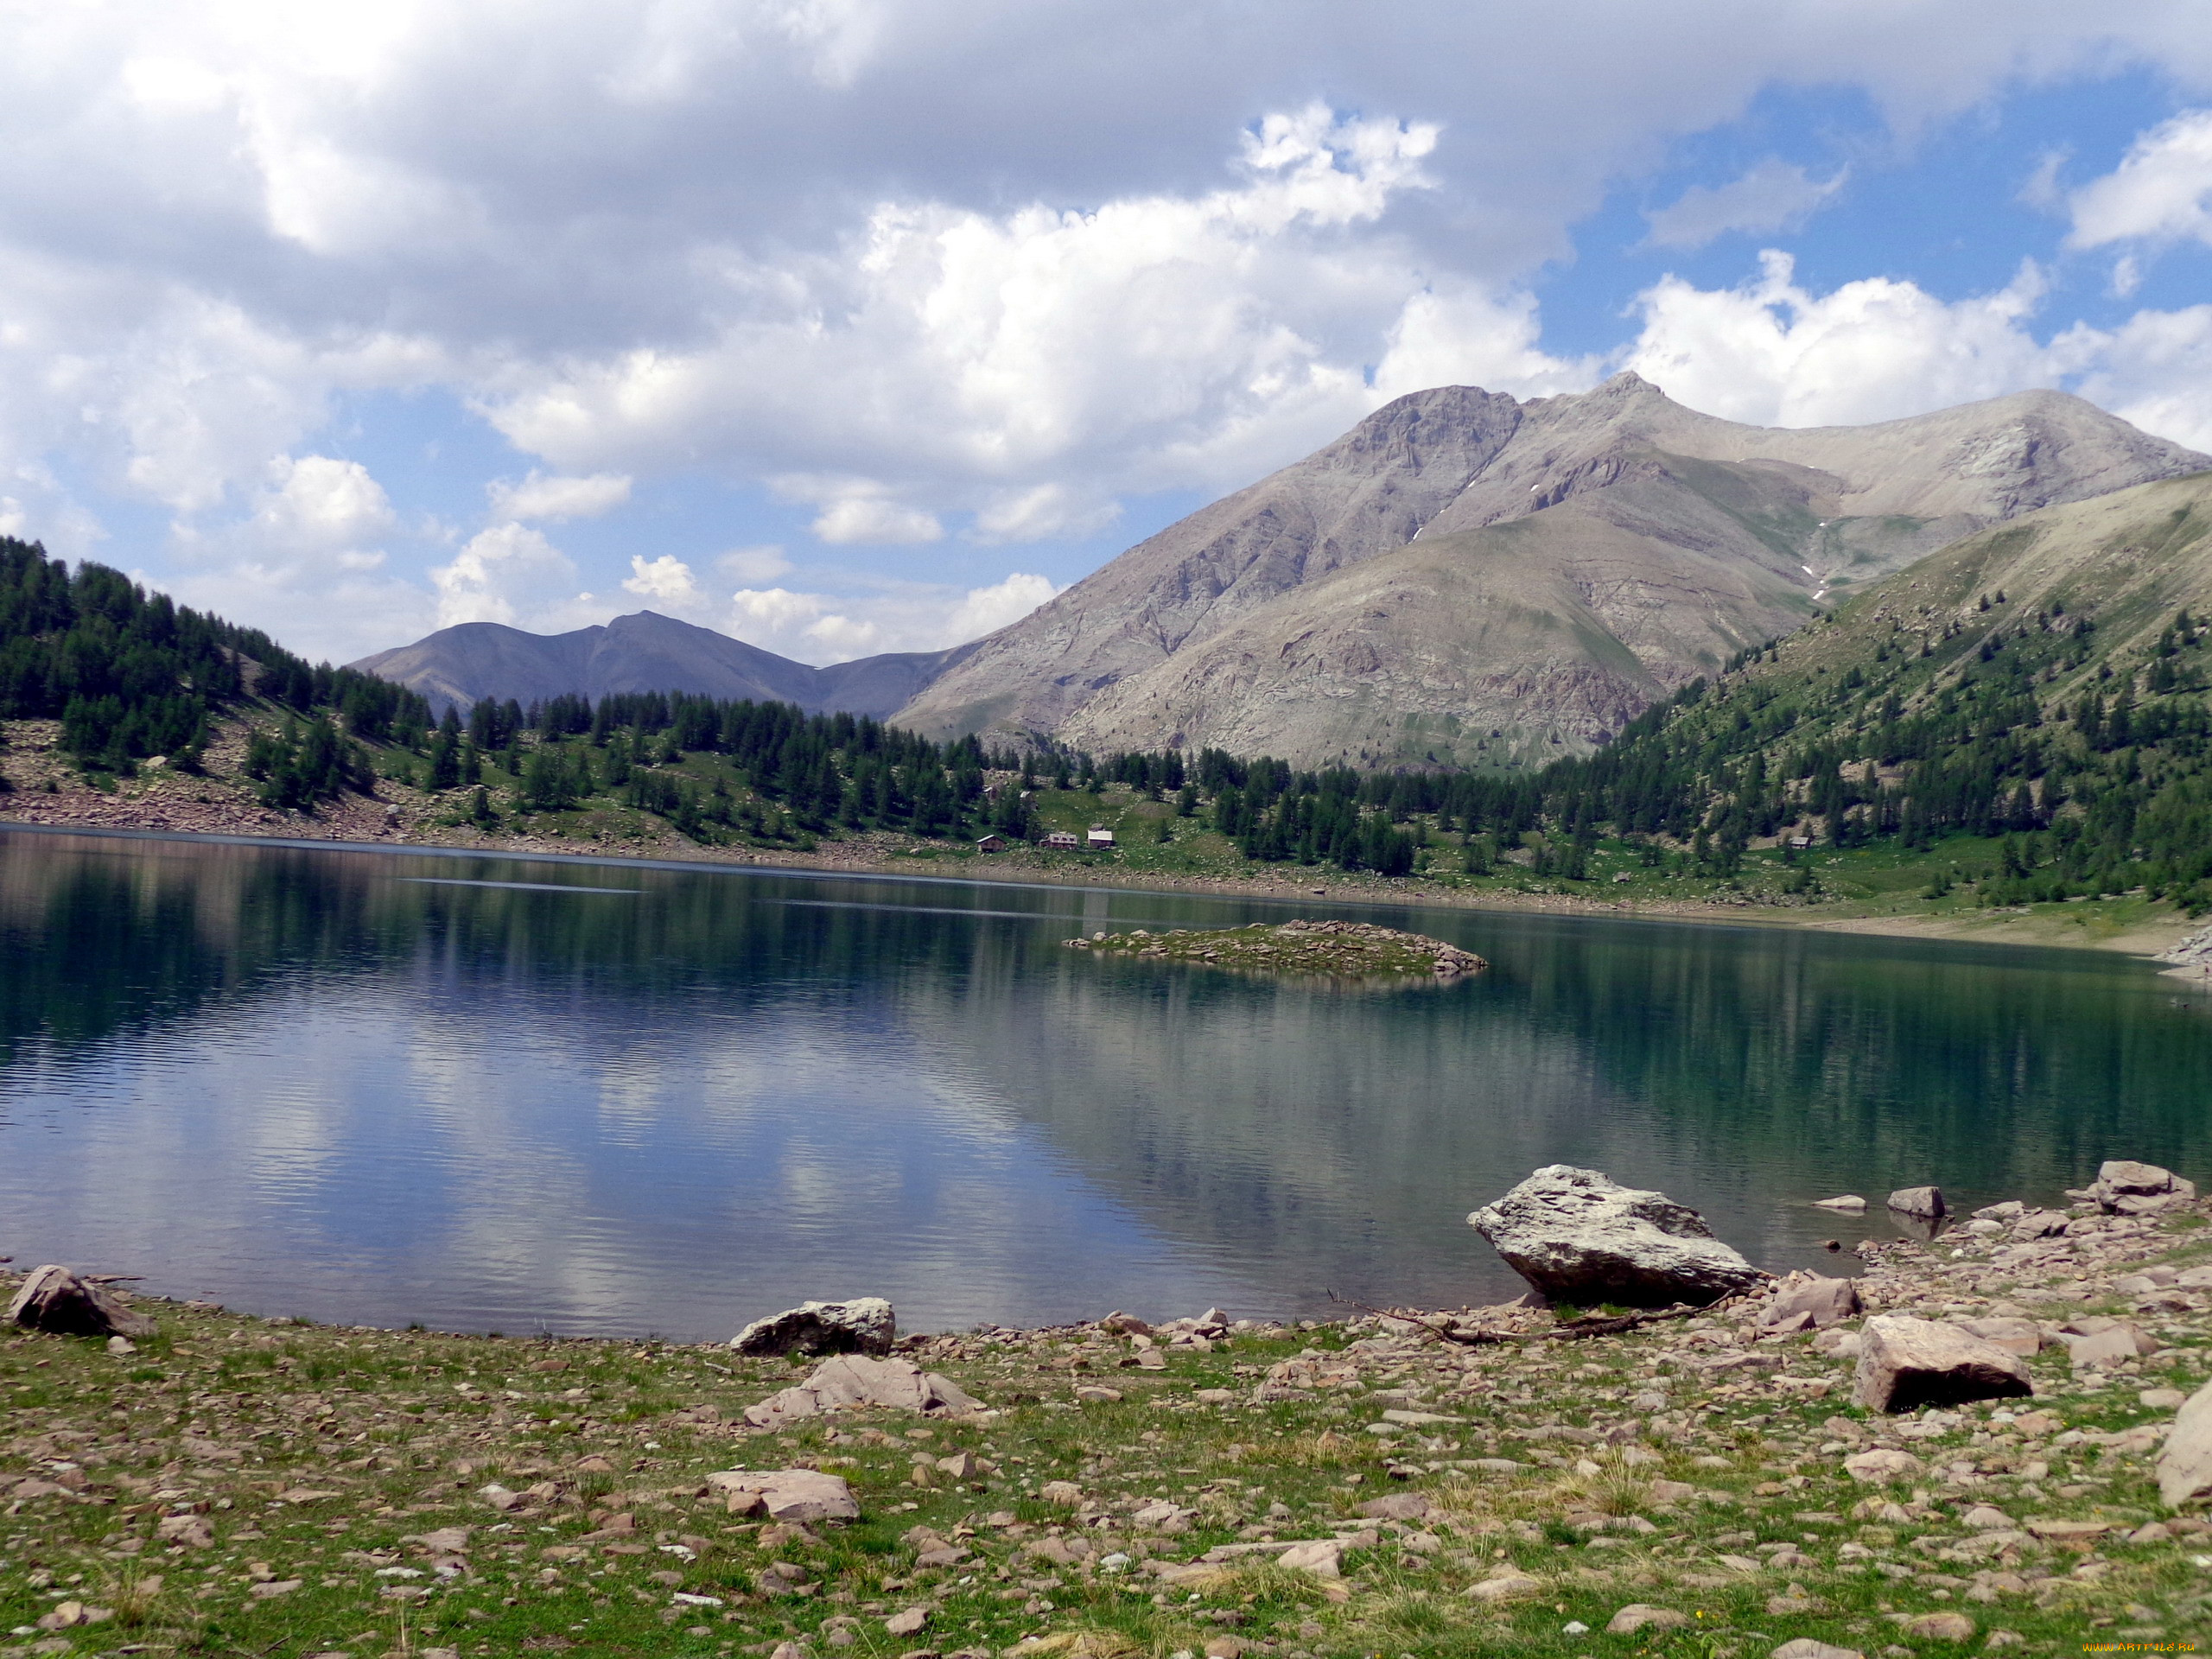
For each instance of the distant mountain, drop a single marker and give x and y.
(645, 652)
(1471, 579)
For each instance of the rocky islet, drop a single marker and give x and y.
(1335, 949)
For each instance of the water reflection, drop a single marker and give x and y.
(474, 1092)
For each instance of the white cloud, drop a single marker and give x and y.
(1773, 196)
(540, 496)
(1043, 512)
(1773, 354)
(817, 627)
(509, 573)
(872, 520)
(761, 564)
(2155, 370)
(666, 580)
(2161, 191)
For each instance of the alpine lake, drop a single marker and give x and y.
(486, 1093)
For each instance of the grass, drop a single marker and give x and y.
(400, 1432)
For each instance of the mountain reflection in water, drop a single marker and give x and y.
(374, 1088)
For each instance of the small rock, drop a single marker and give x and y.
(788, 1495)
(865, 1324)
(1578, 1235)
(910, 1622)
(1923, 1203)
(1819, 1302)
(2022, 1337)
(1848, 1201)
(1941, 1627)
(191, 1531)
(1506, 1583)
(1320, 1558)
(1905, 1363)
(855, 1383)
(1638, 1616)
(1882, 1465)
(1064, 1494)
(56, 1301)
(2162, 1399)
(2117, 1342)
(1805, 1647)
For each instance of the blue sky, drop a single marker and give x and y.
(847, 326)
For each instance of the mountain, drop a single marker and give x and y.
(2041, 679)
(645, 652)
(1470, 578)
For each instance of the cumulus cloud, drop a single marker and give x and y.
(1774, 353)
(1773, 196)
(2161, 191)
(509, 574)
(541, 496)
(816, 627)
(873, 520)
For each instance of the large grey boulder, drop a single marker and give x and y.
(865, 1324)
(1578, 1235)
(1807, 1301)
(1905, 1363)
(2185, 1465)
(1922, 1203)
(2124, 1187)
(55, 1300)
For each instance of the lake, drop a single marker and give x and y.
(491, 1093)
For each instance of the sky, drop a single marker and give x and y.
(850, 326)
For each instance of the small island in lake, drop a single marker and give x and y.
(1296, 947)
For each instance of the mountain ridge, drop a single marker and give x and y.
(644, 651)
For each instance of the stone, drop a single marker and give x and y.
(1320, 1558)
(191, 1531)
(1941, 1627)
(856, 1382)
(1816, 1301)
(2184, 1467)
(2161, 1399)
(1577, 1235)
(1924, 1203)
(2194, 1279)
(1905, 1363)
(1638, 1616)
(1850, 1202)
(2022, 1336)
(1064, 1494)
(55, 1301)
(787, 1495)
(911, 1621)
(1397, 1506)
(1805, 1647)
(1506, 1583)
(865, 1324)
(2042, 1223)
(1883, 1464)
(2118, 1342)
(2124, 1187)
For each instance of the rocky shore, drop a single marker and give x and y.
(1686, 1480)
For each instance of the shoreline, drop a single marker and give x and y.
(2147, 941)
(1450, 1482)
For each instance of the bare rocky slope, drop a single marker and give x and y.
(1480, 580)
(645, 651)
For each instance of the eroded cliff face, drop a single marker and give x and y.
(1473, 580)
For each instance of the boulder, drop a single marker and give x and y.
(2124, 1187)
(1506, 1583)
(2185, 1465)
(1577, 1235)
(864, 1326)
(855, 1383)
(2022, 1337)
(1638, 1616)
(1905, 1363)
(1816, 1301)
(55, 1300)
(1882, 1465)
(788, 1495)
(1806, 1646)
(1922, 1203)
(1850, 1202)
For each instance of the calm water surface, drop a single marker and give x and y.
(493, 1093)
